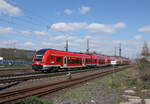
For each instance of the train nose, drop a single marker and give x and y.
(37, 63)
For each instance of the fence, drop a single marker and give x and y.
(12, 62)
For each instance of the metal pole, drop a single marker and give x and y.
(66, 46)
(113, 68)
(115, 51)
(87, 46)
(120, 49)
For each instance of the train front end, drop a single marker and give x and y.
(39, 60)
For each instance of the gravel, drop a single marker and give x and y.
(93, 92)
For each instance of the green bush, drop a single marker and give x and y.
(143, 67)
(34, 100)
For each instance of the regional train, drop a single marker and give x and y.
(51, 59)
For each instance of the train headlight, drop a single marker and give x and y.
(52, 62)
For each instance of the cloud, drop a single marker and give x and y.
(137, 37)
(29, 44)
(7, 30)
(145, 29)
(103, 28)
(33, 32)
(8, 9)
(64, 37)
(67, 27)
(92, 28)
(68, 11)
(119, 25)
(39, 32)
(84, 9)
(52, 44)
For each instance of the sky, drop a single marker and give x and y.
(37, 24)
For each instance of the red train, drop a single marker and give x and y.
(49, 59)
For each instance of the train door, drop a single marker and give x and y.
(83, 61)
(65, 61)
(97, 62)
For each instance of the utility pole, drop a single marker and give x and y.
(120, 49)
(115, 51)
(66, 46)
(87, 50)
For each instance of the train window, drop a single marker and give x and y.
(58, 59)
(95, 60)
(41, 52)
(77, 61)
(73, 61)
(51, 57)
(87, 60)
(69, 61)
(38, 57)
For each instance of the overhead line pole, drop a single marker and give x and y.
(115, 51)
(66, 46)
(87, 50)
(120, 50)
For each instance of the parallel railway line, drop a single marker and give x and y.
(30, 76)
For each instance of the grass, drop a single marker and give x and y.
(117, 81)
(114, 83)
(122, 79)
(35, 100)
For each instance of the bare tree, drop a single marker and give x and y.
(145, 50)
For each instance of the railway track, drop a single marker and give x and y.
(14, 69)
(31, 76)
(16, 75)
(8, 97)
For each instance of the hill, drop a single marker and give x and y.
(16, 54)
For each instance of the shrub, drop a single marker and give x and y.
(34, 100)
(143, 67)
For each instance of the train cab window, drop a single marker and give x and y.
(58, 59)
(39, 55)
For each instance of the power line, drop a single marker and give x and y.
(13, 23)
(43, 19)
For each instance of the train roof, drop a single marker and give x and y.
(54, 51)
